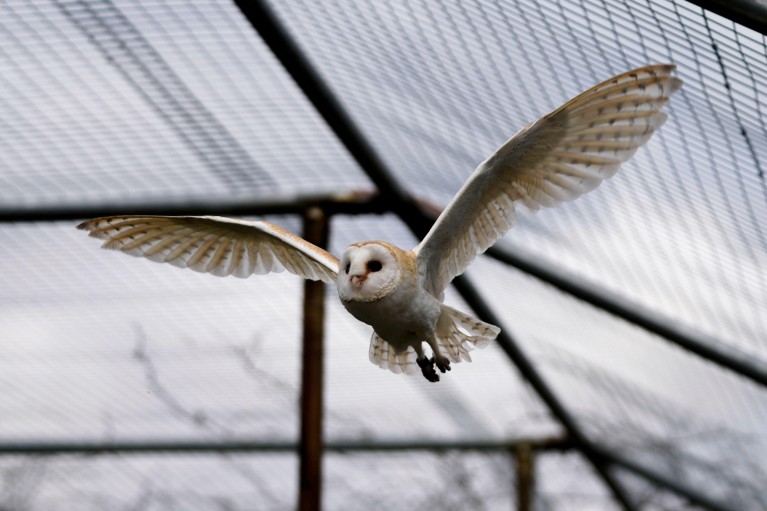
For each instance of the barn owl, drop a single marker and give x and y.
(400, 292)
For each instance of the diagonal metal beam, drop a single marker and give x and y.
(333, 112)
(314, 87)
(277, 38)
(692, 493)
(316, 90)
(676, 332)
(692, 340)
(601, 457)
(749, 13)
(513, 350)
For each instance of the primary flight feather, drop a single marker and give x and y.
(399, 293)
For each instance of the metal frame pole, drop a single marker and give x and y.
(310, 446)
(355, 203)
(524, 461)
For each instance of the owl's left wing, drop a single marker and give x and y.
(216, 245)
(556, 159)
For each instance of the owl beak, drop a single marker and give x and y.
(357, 273)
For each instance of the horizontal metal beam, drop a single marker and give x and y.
(679, 334)
(44, 447)
(350, 204)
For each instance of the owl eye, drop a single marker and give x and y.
(346, 269)
(374, 266)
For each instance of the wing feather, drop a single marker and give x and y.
(216, 245)
(556, 159)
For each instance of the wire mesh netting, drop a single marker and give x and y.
(122, 102)
(153, 102)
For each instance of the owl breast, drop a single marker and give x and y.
(401, 318)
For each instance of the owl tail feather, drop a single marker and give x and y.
(385, 356)
(455, 336)
(458, 333)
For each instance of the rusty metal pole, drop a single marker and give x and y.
(524, 455)
(310, 446)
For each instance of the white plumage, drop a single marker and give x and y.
(399, 293)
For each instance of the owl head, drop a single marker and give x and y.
(368, 271)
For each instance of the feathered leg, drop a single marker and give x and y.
(442, 362)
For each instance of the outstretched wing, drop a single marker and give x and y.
(217, 245)
(556, 159)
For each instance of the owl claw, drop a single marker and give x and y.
(443, 364)
(427, 368)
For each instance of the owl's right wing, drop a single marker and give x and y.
(216, 245)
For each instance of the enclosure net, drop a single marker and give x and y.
(123, 103)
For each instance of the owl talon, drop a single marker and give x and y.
(427, 368)
(443, 365)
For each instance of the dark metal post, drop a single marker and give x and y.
(524, 457)
(310, 448)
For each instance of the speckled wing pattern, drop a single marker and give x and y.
(556, 159)
(216, 245)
